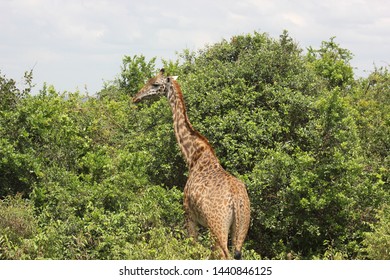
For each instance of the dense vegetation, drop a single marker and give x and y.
(86, 177)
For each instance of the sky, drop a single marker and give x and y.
(79, 44)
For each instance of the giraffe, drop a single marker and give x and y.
(213, 198)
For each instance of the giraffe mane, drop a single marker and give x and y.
(188, 123)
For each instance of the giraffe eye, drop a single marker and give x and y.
(155, 84)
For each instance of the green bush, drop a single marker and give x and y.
(377, 241)
(98, 177)
(17, 224)
(288, 132)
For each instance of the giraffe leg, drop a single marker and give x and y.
(219, 252)
(192, 229)
(191, 224)
(219, 235)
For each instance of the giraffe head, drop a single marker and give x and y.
(156, 86)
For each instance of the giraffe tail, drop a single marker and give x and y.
(241, 223)
(237, 229)
(237, 255)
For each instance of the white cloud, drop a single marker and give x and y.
(236, 17)
(79, 42)
(294, 19)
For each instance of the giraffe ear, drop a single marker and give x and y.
(170, 78)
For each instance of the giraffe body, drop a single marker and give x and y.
(217, 200)
(213, 198)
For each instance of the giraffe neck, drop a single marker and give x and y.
(191, 142)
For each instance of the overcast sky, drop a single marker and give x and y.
(76, 43)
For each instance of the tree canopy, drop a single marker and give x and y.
(96, 177)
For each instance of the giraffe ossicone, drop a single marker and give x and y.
(213, 198)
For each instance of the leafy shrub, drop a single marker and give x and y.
(377, 242)
(101, 178)
(17, 223)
